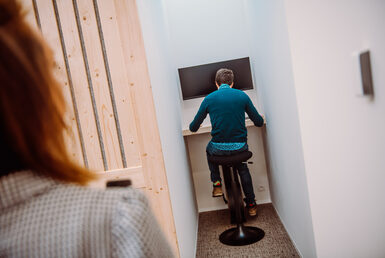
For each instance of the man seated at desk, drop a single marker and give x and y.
(226, 107)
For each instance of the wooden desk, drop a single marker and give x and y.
(195, 144)
(207, 128)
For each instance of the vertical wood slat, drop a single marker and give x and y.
(90, 87)
(31, 17)
(105, 11)
(110, 84)
(51, 34)
(85, 16)
(152, 156)
(76, 63)
(36, 11)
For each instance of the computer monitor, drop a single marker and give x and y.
(199, 81)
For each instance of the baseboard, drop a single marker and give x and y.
(263, 201)
(196, 237)
(288, 233)
(216, 208)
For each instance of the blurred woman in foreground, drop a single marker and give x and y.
(45, 210)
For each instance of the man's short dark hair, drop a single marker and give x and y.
(224, 75)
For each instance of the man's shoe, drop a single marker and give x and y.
(252, 209)
(217, 191)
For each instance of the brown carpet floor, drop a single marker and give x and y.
(276, 242)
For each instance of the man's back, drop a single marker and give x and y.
(227, 108)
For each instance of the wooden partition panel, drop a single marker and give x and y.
(101, 65)
(51, 34)
(124, 101)
(151, 149)
(29, 8)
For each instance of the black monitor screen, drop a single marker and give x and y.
(199, 81)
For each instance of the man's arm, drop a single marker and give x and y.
(253, 113)
(199, 117)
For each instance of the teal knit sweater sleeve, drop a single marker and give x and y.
(253, 113)
(199, 117)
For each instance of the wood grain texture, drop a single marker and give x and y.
(153, 164)
(29, 13)
(80, 83)
(99, 82)
(135, 174)
(50, 32)
(120, 82)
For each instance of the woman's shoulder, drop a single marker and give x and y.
(133, 227)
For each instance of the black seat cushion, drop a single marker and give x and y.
(231, 159)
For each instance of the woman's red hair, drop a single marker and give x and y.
(32, 106)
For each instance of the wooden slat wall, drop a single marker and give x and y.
(98, 79)
(51, 34)
(82, 90)
(151, 149)
(117, 68)
(29, 7)
(101, 65)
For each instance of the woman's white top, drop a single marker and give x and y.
(41, 217)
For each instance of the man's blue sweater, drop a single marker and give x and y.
(227, 108)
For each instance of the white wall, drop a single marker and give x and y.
(275, 84)
(167, 105)
(342, 134)
(326, 145)
(204, 32)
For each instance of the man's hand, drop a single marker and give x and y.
(196, 130)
